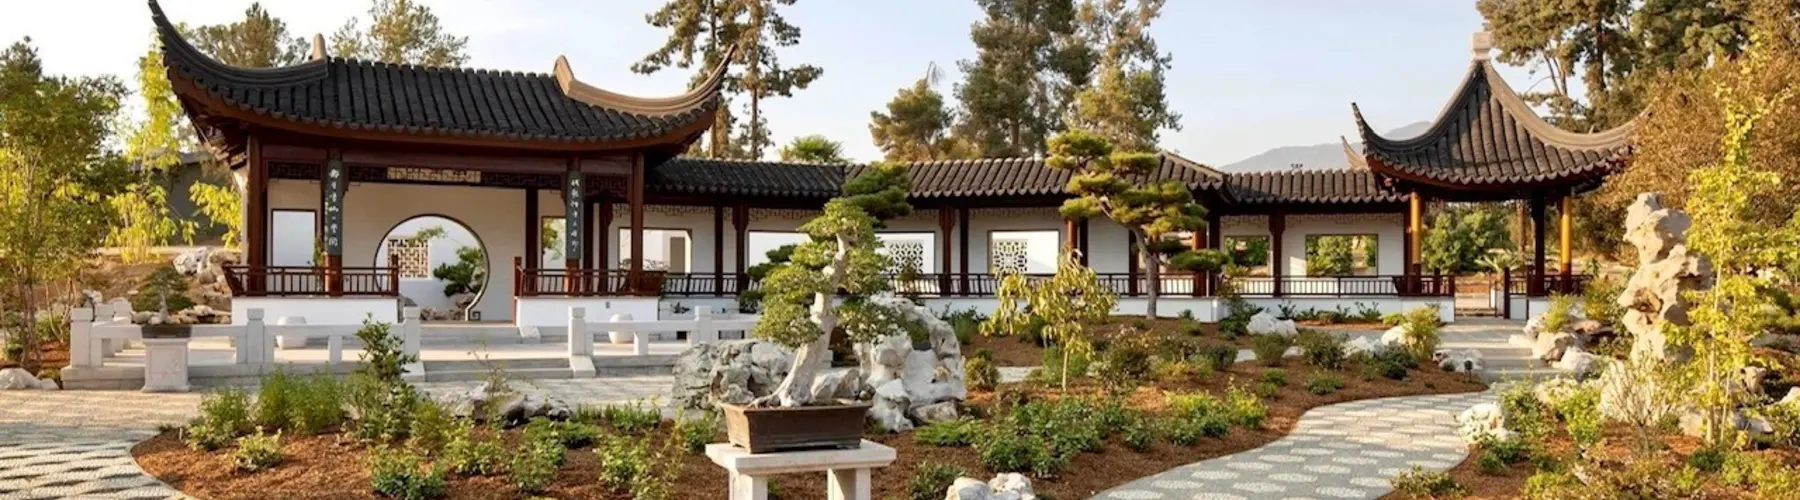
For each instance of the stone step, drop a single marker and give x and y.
(503, 364)
(516, 374)
(1496, 375)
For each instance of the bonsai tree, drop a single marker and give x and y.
(798, 303)
(464, 276)
(1153, 213)
(1067, 302)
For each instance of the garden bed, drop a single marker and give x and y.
(331, 465)
(1020, 351)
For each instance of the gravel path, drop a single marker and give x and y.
(1345, 450)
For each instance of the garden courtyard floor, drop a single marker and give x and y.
(78, 443)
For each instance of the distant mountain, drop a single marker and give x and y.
(1317, 156)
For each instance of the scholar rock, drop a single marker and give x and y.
(925, 377)
(17, 379)
(1551, 346)
(935, 412)
(1482, 421)
(1458, 360)
(1653, 295)
(1264, 323)
(1577, 362)
(734, 372)
(1007, 486)
(890, 406)
(836, 385)
(1369, 345)
(1693, 424)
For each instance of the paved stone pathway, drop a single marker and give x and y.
(77, 444)
(1346, 450)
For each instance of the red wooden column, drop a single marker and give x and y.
(534, 249)
(256, 220)
(1071, 237)
(946, 224)
(1081, 242)
(740, 225)
(1534, 277)
(603, 216)
(1567, 217)
(1215, 232)
(1198, 278)
(635, 193)
(962, 243)
(332, 184)
(1131, 266)
(574, 232)
(1277, 263)
(594, 269)
(718, 250)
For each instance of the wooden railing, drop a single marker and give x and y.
(1536, 284)
(287, 281)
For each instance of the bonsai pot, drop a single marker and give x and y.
(167, 331)
(768, 430)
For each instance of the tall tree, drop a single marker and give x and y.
(154, 146)
(1127, 103)
(1027, 67)
(55, 173)
(703, 32)
(401, 32)
(916, 125)
(813, 148)
(1154, 213)
(261, 40)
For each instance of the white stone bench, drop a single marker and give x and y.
(846, 471)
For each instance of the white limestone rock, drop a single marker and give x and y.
(17, 379)
(1458, 360)
(1264, 323)
(1652, 296)
(837, 385)
(1534, 326)
(1007, 486)
(935, 412)
(1792, 398)
(1369, 345)
(1013, 482)
(1482, 421)
(1692, 424)
(965, 488)
(1578, 362)
(927, 377)
(1635, 392)
(1555, 391)
(1551, 346)
(890, 405)
(734, 372)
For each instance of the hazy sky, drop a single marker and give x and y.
(1249, 75)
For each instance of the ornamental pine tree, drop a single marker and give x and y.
(1154, 213)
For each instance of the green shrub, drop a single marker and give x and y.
(1321, 349)
(1187, 430)
(472, 454)
(1217, 357)
(961, 432)
(404, 475)
(224, 415)
(1391, 363)
(1123, 363)
(318, 405)
(383, 356)
(965, 328)
(275, 400)
(696, 433)
(1138, 434)
(1709, 458)
(1007, 450)
(981, 373)
(1174, 371)
(1548, 484)
(1270, 348)
(432, 428)
(636, 418)
(1185, 315)
(163, 282)
(1078, 362)
(1490, 463)
(932, 480)
(1324, 383)
(1581, 416)
(622, 460)
(1525, 415)
(1766, 474)
(569, 435)
(1140, 324)
(1275, 376)
(1244, 409)
(1267, 390)
(258, 451)
(1423, 325)
(1191, 328)
(1419, 483)
(533, 466)
(385, 408)
(1558, 314)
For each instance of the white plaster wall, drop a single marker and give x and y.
(1205, 309)
(495, 216)
(1389, 230)
(292, 234)
(1043, 248)
(428, 291)
(1387, 305)
(554, 311)
(317, 310)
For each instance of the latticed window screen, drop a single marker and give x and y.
(906, 254)
(1009, 256)
(413, 256)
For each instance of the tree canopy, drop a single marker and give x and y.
(1126, 103)
(704, 32)
(260, 40)
(813, 148)
(916, 125)
(1027, 67)
(400, 32)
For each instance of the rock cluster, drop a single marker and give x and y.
(1264, 323)
(1007, 486)
(17, 379)
(207, 266)
(1482, 421)
(1458, 360)
(1653, 295)
(506, 405)
(913, 385)
(733, 372)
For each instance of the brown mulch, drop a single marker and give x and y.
(1013, 351)
(320, 467)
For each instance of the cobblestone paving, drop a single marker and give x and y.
(1346, 450)
(77, 444)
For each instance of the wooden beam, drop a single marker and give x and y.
(1277, 263)
(1564, 211)
(718, 213)
(1215, 234)
(256, 222)
(1415, 225)
(740, 224)
(962, 243)
(1534, 279)
(534, 249)
(946, 224)
(332, 183)
(636, 192)
(1131, 266)
(1081, 227)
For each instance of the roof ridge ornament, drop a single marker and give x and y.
(1482, 43)
(645, 106)
(318, 47)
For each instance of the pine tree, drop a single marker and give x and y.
(1127, 104)
(703, 32)
(1154, 213)
(916, 125)
(401, 32)
(1027, 67)
(259, 41)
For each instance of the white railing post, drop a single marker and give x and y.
(82, 350)
(581, 343)
(256, 335)
(703, 326)
(410, 331)
(334, 347)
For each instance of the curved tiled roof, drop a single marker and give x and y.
(1487, 136)
(970, 178)
(1308, 186)
(356, 95)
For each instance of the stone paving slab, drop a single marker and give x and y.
(1345, 450)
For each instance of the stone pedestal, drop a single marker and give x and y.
(846, 471)
(166, 365)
